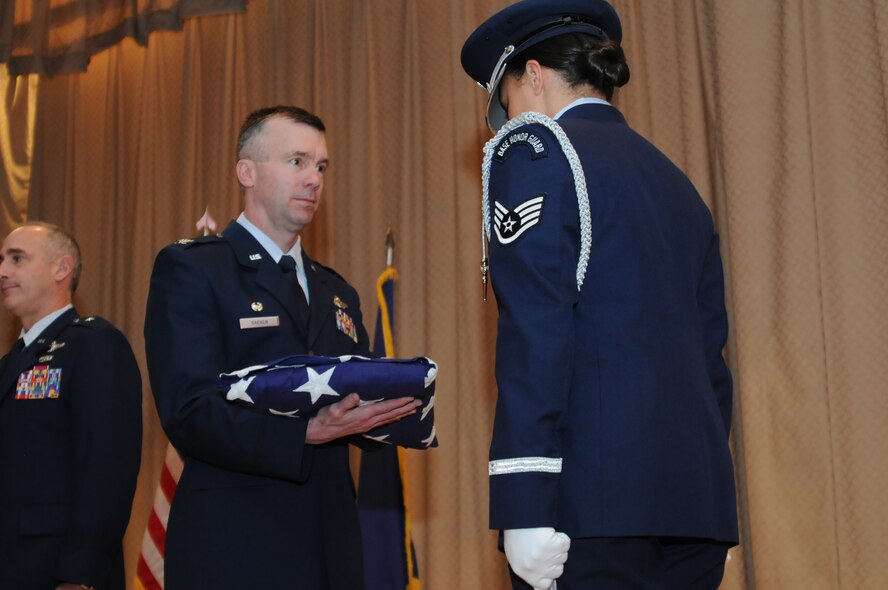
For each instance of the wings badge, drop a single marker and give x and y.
(509, 225)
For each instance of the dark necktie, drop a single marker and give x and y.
(12, 360)
(288, 267)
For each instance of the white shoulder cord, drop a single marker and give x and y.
(579, 184)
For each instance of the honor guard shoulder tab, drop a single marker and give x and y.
(535, 137)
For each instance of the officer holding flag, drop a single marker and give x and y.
(264, 500)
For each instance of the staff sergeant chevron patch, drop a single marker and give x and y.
(509, 225)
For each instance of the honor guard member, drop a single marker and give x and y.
(264, 501)
(609, 460)
(70, 425)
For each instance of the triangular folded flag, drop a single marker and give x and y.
(298, 386)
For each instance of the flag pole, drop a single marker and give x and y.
(413, 582)
(389, 247)
(384, 281)
(389, 274)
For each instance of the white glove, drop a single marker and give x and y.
(537, 556)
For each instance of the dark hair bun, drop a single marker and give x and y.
(605, 65)
(581, 59)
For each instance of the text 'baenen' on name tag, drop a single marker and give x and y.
(269, 321)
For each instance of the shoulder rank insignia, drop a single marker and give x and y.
(497, 148)
(204, 239)
(509, 225)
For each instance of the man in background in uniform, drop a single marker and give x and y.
(264, 501)
(70, 425)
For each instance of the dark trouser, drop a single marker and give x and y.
(640, 563)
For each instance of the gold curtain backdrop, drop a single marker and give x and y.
(60, 36)
(776, 110)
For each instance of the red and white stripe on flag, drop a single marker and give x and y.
(149, 571)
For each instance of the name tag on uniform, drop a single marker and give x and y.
(263, 322)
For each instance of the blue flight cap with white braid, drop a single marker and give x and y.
(510, 31)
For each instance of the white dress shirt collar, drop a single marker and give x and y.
(273, 249)
(276, 253)
(30, 335)
(578, 102)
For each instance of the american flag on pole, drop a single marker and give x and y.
(149, 570)
(389, 558)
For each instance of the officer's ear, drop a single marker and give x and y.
(533, 73)
(64, 268)
(246, 172)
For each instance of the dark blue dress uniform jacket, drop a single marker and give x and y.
(624, 380)
(255, 507)
(68, 464)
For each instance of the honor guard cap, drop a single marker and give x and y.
(507, 33)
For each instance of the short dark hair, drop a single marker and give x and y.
(62, 243)
(580, 58)
(254, 122)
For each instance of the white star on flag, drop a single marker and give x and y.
(431, 375)
(430, 439)
(378, 438)
(318, 385)
(246, 371)
(428, 408)
(238, 390)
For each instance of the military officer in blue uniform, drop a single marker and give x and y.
(264, 501)
(609, 464)
(70, 425)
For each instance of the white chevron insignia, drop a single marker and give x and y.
(509, 225)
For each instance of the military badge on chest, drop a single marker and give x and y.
(344, 322)
(39, 382)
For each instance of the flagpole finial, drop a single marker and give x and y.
(389, 247)
(206, 222)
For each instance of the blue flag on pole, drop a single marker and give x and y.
(389, 559)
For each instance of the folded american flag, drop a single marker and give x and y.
(298, 386)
